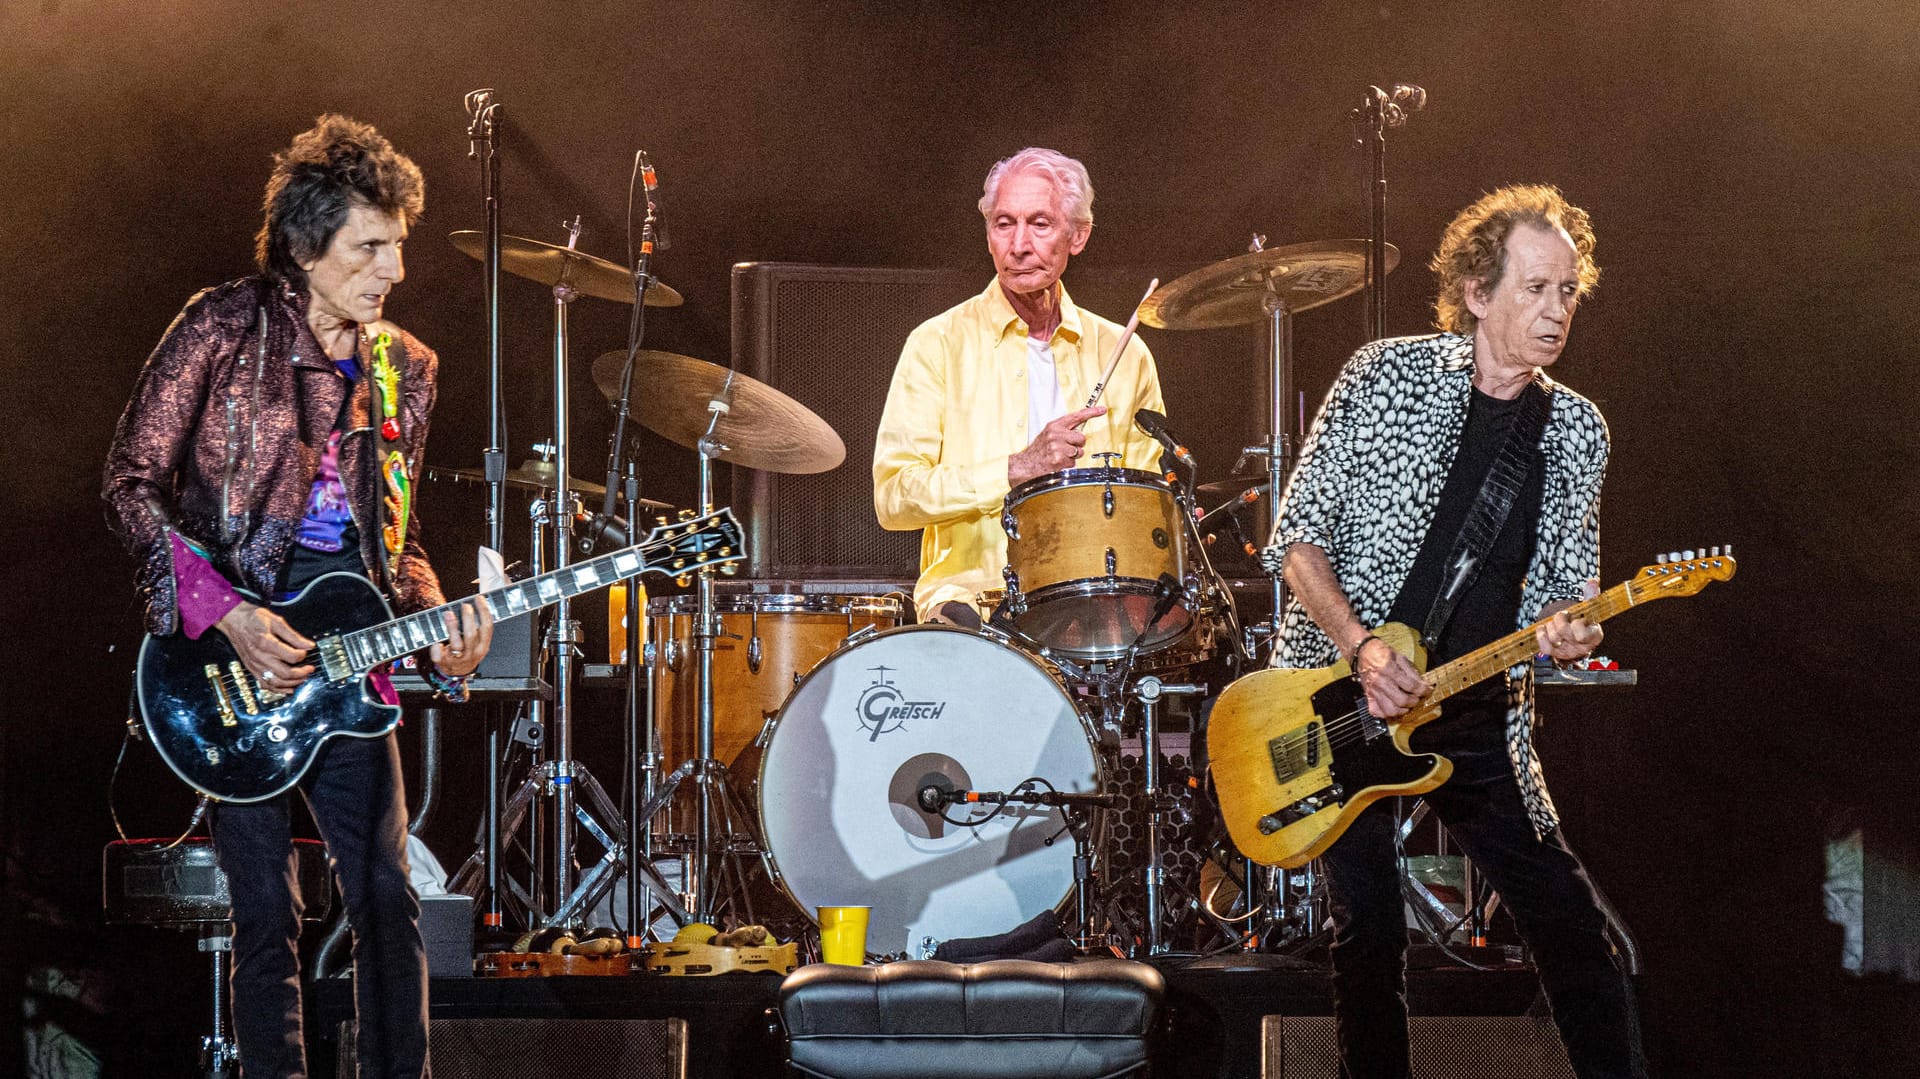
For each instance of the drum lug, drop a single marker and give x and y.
(1106, 499)
(1113, 562)
(1010, 523)
(1015, 603)
(673, 654)
(754, 654)
(856, 637)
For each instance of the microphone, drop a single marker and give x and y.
(595, 527)
(1213, 517)
(932, 797)
(1155, 425)
(650, 182)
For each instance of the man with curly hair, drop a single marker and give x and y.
(271, 438)
(1394, 471)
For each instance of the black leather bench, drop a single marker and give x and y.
(1004, 1019)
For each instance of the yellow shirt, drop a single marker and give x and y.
(957, 409)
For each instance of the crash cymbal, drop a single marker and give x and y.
(1234, 292)
(531, 476)
(589, 275)
(762, 427)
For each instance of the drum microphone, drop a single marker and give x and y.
(595, 527)
(1155, 425)
(932, 797)
(1213, 517)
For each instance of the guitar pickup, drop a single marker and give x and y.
(214, 679)
(1293, 756)
(243, 682)
(1295, 812)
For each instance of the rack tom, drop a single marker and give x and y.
(1087, 550)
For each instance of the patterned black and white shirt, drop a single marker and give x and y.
(1368, 482)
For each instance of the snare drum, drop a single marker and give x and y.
(1086, 551)
(926, 705)
(768, 642)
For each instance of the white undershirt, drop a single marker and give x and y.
(1044, 401)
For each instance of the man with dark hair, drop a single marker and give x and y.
(1395, 469)
(273, 437)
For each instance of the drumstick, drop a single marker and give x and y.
(1125, 336)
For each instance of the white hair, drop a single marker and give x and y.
(1069, 178)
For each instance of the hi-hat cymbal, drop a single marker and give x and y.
(761, 428)
(532, 476)
(1234, 485)
(1233, 292)
(545, 263)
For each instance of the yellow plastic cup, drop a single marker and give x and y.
(843, 935)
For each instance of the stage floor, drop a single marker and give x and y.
(1216, 1009)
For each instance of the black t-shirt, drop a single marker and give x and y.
(1491, 604)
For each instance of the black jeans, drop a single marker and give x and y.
(1541, 883)
(354, 793)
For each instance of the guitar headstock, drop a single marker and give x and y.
(1683, 573)
(680, 547)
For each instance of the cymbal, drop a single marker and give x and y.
(762, 427)
(1233, 485)
(542, 262)
(532, 476)
(1233, 292)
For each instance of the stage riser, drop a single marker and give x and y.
(546, 1048)
(1444, 1047)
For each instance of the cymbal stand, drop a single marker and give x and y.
(712, 785)
(564, 775)
(1279, 437)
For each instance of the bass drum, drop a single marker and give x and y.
(884, 717)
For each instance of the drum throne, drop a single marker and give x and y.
(1003, 1019)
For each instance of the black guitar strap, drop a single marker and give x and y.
(1491, 506)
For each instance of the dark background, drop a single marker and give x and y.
(1750, 168)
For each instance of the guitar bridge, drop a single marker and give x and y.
(225, 703)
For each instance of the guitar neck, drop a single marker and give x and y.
(1519, 646)
(679, 550)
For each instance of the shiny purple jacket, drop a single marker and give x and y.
(224, 447)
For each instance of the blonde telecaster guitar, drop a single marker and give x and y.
(1296, 756)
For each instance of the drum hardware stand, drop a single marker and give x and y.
(1148, 690)
(711, 782)
(1279, 447)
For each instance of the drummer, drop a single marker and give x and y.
(988, 394)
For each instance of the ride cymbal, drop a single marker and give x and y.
(1233, 292)
(546, 263)
(760, 427)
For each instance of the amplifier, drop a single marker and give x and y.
(545, 1048)
(1453, 1046)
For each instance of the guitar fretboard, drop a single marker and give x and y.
(681, 552)
(1682, 577)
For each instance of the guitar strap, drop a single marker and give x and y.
(394, 485)
(1491, 506)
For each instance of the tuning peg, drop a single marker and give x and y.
(1728, 550)
(730, 568)
(1689, 554)
(683, 580)
(1659, 560)
(1714, 551)
(661, 520)
(686, 515)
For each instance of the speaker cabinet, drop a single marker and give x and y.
(546, 1048)
(830, 336)
(1444, 1047)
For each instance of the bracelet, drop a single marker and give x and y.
(1353, 661)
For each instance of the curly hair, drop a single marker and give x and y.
(331, 167)
(1069, 178)
(1474, 247)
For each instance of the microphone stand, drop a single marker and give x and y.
(1379, 111)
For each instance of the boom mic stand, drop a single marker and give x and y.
(1380, 110)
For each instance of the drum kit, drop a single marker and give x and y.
(826, 750)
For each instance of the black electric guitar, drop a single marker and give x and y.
(1296, 756)
(230, 737)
